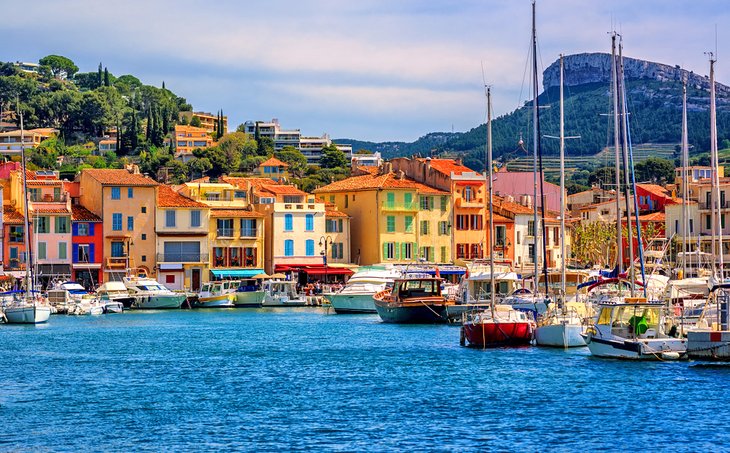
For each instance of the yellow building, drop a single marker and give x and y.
(188, 138)
(11, 142)
(236, 232)
(126, 201)
(182, 228)
(394, 219)
(207, 120)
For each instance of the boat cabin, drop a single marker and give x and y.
(634, 319)
(281, 287)
(416, 288)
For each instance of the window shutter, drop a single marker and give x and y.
(403, 250)
(396, 246)
(431, 202)
(385, 250)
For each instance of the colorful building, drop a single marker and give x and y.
(189, 138)
(273, 168)
(87, 246)
(182, 230)
(126, 201)
(395, 219)
(11, 142)
(13, 241)
(208, 121)
(652, 197)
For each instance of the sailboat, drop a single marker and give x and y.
(561, 327)
(713, 343)
(28, 307)
(630, 327)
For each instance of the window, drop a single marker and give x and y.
(130, 192)
(13, 253)
(333, 226)
(62, 250)
(144, 209)
(462, 222)
(468, 194)
(427, 253)
(425, 227)
(443, 228)
(390, 224)
(288, 222)
(708, 222)
(83, 255)
(390, 200)
(518, 238)
(461, 251)
(691, 226)
(170, 217)
(41, 250)
(170, 279)
(181, 251)
(144, 258)
(309, 247)
(476, 251)
(16, 234)
(708, 199)
(389, 250)
(407, 251)
(531, 228)
(476, 222)
(346, 201)
(426, 203)
(408, 224)
(117, 249)
(116, 193)
(248, 228)
(337, 250)
(194, 219)
(225, 228)
(408, 200)
(42, 225)
(444, 203)
(240, 194)
(556, 236)
(62, 225)
(82, 229)
(676, 226)
(444, 258)
(531, 253)
(117, 221)
(332, 199)
(500, 236)
(289, 247)
(130, 223)
(309, 222)
(144, 236)
(35, 194)
(249, 256)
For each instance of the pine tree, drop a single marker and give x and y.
(106, 77)
(165, 119)
(101, 80)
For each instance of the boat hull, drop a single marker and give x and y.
(708, 345)
(112, 307)
(158, 302)
(352, 303)
(560, 335)
(653, 349)
(219, 301)
(249, 299)
(27, 314)
(495, 334)
(411, 314)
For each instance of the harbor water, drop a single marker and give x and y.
(283, 379)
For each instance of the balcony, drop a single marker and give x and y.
(15, 264)
(224, 233)
(723, 205)
(399, 207)
(118, 262)
(48, 198)
(473, 203)
(182, 257)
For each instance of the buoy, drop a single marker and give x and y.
(670, 355)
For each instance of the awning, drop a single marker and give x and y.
(54, 269)
(171, 266)
(236, 273)
(313, 269)
(87, 266)
(452, 271)
(329, 271)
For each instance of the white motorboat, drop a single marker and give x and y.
(634, 329)
(150, 294)
(357, 295)
(113, 295)
(217, 294)
(282, 293)
(525, 300)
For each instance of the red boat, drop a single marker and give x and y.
(503, 326)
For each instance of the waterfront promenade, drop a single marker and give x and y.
(286, 379)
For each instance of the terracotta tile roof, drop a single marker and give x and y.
(375, 182)
(168, 198)
(655, 190)
(234, 213)
(113, 177)
(368, 169)
(334, 213)
(11, 216)
(238, 181)
(497, 218)
(51, 210)
(448, 166)
(282, 189)
(653, 217)
(511, 206)
(81, 214)
(273, 162)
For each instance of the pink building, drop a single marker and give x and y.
(521, 184)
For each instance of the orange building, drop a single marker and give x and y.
(188, 138)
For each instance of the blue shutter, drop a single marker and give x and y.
(91, 253)
(288, 222)
(310, 247)
(91, 229)
(74, 229)
(75, 253)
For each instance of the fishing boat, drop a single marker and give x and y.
(634, 329)
(357, 295)
(501, 326)
(217, 294)
(29, 306)
(150, 294)
(282, 293)
(248, 295)
(413, 300)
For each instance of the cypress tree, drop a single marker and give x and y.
(163, 84)
(148, 132)
(135, 131)
(106, 77)
(165, 120)
(100, 80)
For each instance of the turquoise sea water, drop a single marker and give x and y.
(304, 379)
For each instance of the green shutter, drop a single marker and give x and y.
(396, 246)
(403, 250)
(385, 251)
(431, 202)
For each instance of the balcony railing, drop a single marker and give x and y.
(48, 198)
(723, 205)
(249, 233)
(182, 257)
(407, 207)
(225, 232)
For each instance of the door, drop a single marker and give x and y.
(195, 279)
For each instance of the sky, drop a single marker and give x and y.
(376, 70)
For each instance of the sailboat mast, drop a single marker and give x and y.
(26, 212)
(685, 190)
(715, 173)
(491, 204)
(562, 181)
(627, 193)
(535, 140)
(614, 73)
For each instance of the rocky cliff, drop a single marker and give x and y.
(587, 68)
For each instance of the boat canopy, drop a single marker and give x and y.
(236, 273)
(498, 276)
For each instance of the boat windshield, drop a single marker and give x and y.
(631, 321)
(419, 288)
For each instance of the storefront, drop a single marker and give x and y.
(87, 275)
(308, 273)
(48, 273)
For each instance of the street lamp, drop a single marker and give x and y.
(323, 242)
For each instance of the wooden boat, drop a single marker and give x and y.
(413, 301)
